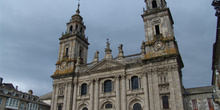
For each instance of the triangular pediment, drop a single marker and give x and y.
(106, 64)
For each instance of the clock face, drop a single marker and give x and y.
(158, 45)
(63, 65)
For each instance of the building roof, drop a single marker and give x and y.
(199, 90)
(8, 90)
(7, 85)
(46, 96)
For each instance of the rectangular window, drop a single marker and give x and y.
(210, 103)
(67, 51)
(195, 105)
(165, 100)
(32, 106)
(157, 28)
(12, 103)
(22, 106)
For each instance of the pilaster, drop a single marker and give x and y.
(96, 96)
(53, 98)
(123, 93)
(69, 96)
(74, 95)
(65, 97)
(91, 95)
(156, 90)
(118, 104)
(178, 89)
(151, 90)
(56, 97)
(172, 89)
(146, 98)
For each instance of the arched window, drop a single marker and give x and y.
(71, 29)
(134, 82)
(108, 86)
(137, 106)
(81, 30)
(81, 52)
(108, 106)
(157, 28)
(84, 89)
(67, 51)
(76, 28)
(165, 102)
(85, 108)
(154, 4)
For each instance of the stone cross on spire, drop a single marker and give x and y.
(108, 51)
(77, 11)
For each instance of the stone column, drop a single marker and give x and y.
(96, 101)
(117, 85)
(74, 95)
(91, 95)
(146, 98)
(123, 93)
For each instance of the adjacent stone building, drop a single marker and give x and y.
(12, 99)
(200, 98)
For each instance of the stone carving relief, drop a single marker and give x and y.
(156, 21)
(164, 88)
(162, 77)
(61, 89)
(106, 64)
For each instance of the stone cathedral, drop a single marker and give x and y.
(148, 80)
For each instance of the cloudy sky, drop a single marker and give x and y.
(30, 29)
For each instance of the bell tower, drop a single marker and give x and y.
(73, 50)
(151, 4)
(73, 45)
(159, 34)
(162, 58)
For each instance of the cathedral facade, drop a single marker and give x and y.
(148, 80)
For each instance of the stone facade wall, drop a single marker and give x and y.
(202, 101)
(155, 80)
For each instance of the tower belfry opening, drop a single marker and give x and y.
(157, 28)
(154, 4)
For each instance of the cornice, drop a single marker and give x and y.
(77, 35)
(59, 76)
